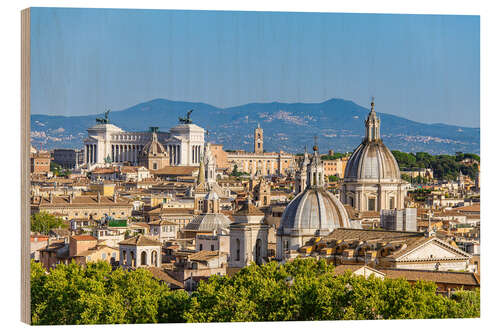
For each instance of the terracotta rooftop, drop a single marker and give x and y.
(140, 240)
(187, 211)
(98, 171)
(476, 208)
(159, 274)
(461, 278)
(364, 235)
(94, 250)
(204, 255)
(162, 222)
(84, 238)
(176, 170)
(248, 209)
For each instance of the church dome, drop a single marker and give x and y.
(208, 223)
(315, 210)
(154, 147)
(372, 160)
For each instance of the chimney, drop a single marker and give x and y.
(71, 198)
(51, 197)
(115, 197)
(98, 196)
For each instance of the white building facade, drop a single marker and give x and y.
(107, 143)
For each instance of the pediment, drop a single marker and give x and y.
(434, 249)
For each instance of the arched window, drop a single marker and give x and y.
(132, 258)
(124, 257)
(143, 258)
(237, 249)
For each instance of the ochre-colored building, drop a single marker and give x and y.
(40, 162)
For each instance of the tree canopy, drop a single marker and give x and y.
(43, 222)
(446, 167)
(303, 289)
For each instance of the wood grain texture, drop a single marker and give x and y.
(25, 167)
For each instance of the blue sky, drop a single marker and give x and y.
(421, 67)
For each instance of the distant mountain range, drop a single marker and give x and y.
(338, 124)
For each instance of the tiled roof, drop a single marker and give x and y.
(460, 278)
(159, 274)
(204, 255)
(249, 210)
(84, 238)
(364, 235)
(476, 208)
(140, 240)
(105, 170)
(176, 170)
(173, 211)
(162, 222)
(129, 169)
(94, 250)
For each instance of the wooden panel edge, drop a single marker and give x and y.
(25, 167)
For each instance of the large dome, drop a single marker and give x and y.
(372, 160)
(314, 211)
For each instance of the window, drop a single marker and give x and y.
(103, 256)
(391, 203)
(155, 166)
(212, 247)
(371, 204)
(201, 247)
(237, 249)
(143, 258)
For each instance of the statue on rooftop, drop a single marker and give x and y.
(104, 120)
(187, 119)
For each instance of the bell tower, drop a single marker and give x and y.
(258, 140)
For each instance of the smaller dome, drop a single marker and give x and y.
(208, 223)
(314, 209)
(154, 147)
